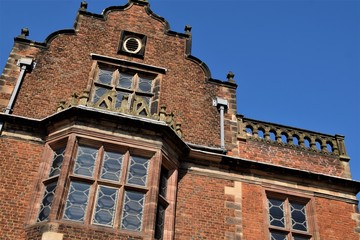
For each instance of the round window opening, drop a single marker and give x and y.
(132, 45)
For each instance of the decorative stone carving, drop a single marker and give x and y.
(107, 101)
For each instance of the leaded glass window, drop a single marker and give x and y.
(77, 201)
(278, 236)
(301, 238)
(85, 161)
(111, 166)
(133, 210)
(162, 204)
(288, 219)
(116, 88)
(47, 201)
(105, 185)
(97, 170)
(276, 213)
(57, 162)
(51, 184)
(160, 220)
(105, 206)
(137, 171)
(298, 216)
(163, 182)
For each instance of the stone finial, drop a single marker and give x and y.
(84, 97)
(230, 76)
(83, 5)
(162, 113)
(24, 33)
(188, 29)
(178, 129)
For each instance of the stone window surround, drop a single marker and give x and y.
(158, 160)
(131, 92)
(286, 197)
(156, 72)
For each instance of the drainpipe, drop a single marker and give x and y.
(26, 65)
(222, 106)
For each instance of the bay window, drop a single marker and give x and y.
(93, 182)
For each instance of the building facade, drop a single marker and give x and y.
(113, 130)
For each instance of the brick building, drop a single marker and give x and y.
(113, 130)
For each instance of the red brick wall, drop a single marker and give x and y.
(64, 68)
(334, 220)
(19, 165)
(200, 210)
(253, 212)
(292, 158)
(11, 72)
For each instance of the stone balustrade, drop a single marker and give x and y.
(271, 133)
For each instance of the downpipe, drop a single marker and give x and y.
(26, 65)
(222, 106)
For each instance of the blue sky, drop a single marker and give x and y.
(296, 62)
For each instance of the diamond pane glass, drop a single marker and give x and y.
(99, 92)
(298, 216)
(300, 238)
(57, 162)
(138, 170)
(45, 205)
(125, 80)
(105, 206)
(278, 236)
(160, 219)
(77, 201)
(105, 76)
(111, 167)
(145, 84)
(85, 161)
(133, 211)
(276, 212)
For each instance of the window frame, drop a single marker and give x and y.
(133, 92)
(71, 142)
(306, 200)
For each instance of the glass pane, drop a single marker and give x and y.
(163, 182)
(126, 80)
(45, 205)
(145, 84)
(276, 212)
(278, 236)
(57, 162)
(133, 211)
(105, 76)
(138, 170)
(119, 98)
(85, 161)
(144, 98)
(160, 219)
(77, 201)
(99, 92)
(105, 206)
(301, 238)
(111, 168)
(298, 216)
